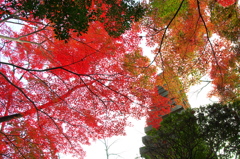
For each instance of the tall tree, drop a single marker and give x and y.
(195, 39)
(207, 132)
(57, 96)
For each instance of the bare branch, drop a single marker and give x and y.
(18, 40)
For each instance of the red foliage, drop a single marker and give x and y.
(226, 3)
(160, 106)
(186, 46)
(65, 94)
(224, 72)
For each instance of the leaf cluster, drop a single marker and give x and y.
(75, 15)
(119, 17)
(207, 132)
(166, 9)
(220, 125)
(226, 20)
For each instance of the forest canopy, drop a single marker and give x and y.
(70, 15)
(72, 71)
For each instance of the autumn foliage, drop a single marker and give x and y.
(160, 106)
(196, 39)
(226, 3)
(56, 96)
(75, 16)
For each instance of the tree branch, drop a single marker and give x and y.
(33, 110)
(18, 40)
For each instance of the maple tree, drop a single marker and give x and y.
(195, 39)
(191, 40)
(56, 96)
